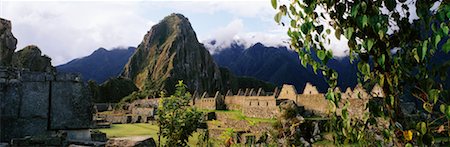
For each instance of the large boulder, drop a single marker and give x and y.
(7, 42)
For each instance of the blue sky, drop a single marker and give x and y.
(65, 30)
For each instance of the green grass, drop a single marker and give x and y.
(125, 130)
(236, 114)
(140, 129)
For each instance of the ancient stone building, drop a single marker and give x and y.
(313, 101)
(261, 104)
(37, 103)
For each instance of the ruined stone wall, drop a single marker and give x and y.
(234, 102)
(34, 103)
(260, 106)
(315, 103)
(206, 103)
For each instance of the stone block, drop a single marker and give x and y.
(17, 128)
(35, 100)
(71, 106)
(68, 77)
(3, 74)
(33, 126)
(10, 101)
(33, 77)
(84, 134)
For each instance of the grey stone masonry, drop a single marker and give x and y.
(38, 103)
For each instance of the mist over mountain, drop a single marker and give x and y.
(99, 66)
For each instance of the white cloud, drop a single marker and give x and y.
(65, 31)
(234, 33)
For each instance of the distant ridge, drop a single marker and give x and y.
(99, 66)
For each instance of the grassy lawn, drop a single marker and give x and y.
(140, 129)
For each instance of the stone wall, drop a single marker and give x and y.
(315, 103)
(34, 103)
(260, 106)
(234, 102)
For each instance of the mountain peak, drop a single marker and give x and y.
(259, 44)
(169, 52)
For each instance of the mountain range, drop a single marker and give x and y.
(278, 65)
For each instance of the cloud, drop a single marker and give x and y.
(65, 31)
(234, 32)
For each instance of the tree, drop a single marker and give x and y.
(176, 119)
(390, 49)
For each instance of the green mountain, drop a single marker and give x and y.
(169, 52)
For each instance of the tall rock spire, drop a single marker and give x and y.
(169, 52)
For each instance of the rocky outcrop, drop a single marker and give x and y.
(170, 52)
(31, 58)
(7, 42)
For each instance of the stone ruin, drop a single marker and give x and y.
(36, 103)
(40, 108)
(257, 103)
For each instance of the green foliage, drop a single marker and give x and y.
(177, 120)
(112, 90)
(228, 136)
(373, 33)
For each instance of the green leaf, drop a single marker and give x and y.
(444, 28)
(328, 31)
(433, 94)
(446, 46)
(424, 49)
(366, 68)
(278, 17)
(349, 32)
(437, 40)
(381, 60)
(293, 11)
(274, 4)
(416, 56)
(354, 10)
(442, 108)
(338, 33)
(423, 127)
(447, 111)
(427, 106)
(370, 44)
(321, 54)
(364, 21)
(293, 23)
(408, 145)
